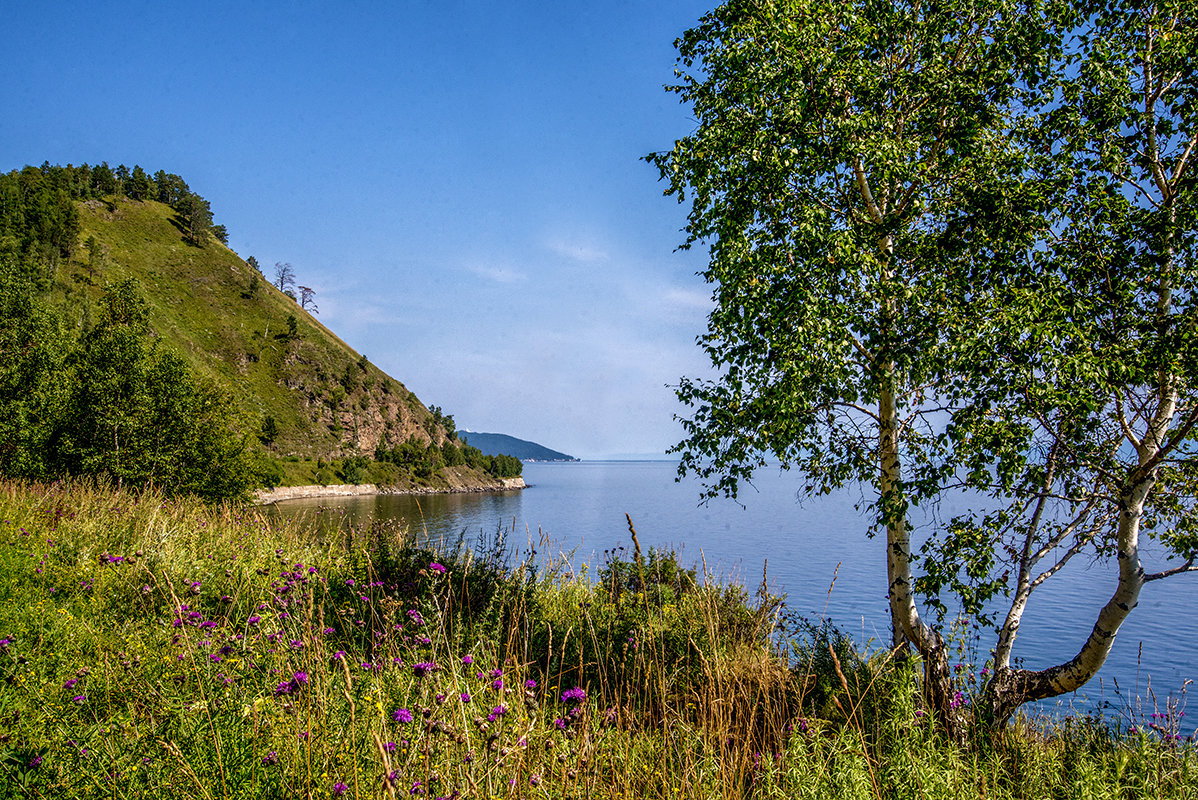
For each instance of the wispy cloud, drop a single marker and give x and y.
(687, 298)
(497, 274)
(584, 252)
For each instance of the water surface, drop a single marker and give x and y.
(816, 552)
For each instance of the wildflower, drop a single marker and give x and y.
(402, 715)
(4, 643)
(416, 788)
(35, 763)
(70, 684)
(79, 698)
(254, 620)
(465, 697)
(339, 654)
(530, 684)
(496, 712)
(497, 684)
(389, 747)
(423, 668)
(466, 659)
(339, 789)
(270, 758)
(435, 567)
(534, 780)
(575, 695)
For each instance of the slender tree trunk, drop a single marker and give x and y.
(1011, 688)
(939, 692)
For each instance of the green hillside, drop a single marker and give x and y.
(320, 411)
(230, 323)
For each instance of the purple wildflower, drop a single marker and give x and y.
(270, 758)
(465, 697)
(339, 789)
(435, 567)
(530, 684)
(467, 660)
(575, 695)
(389, 747)
(402, 715)
(79, 698)
(423, 668)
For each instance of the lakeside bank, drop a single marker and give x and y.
(264, 497)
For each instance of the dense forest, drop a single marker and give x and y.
(90, 388)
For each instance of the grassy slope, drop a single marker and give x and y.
(158, 648)
(201, 305)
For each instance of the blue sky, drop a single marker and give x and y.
(459, 181)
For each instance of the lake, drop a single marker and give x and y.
(580, 508)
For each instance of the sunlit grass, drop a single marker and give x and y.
(155, 648)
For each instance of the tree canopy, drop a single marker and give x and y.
(913, 213)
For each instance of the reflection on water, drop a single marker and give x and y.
(430, 519)
(801, 547)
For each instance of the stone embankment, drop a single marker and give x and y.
(268, 496)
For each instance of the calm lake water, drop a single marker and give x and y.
(580, 508)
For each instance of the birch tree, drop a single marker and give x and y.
(848, 172)
(1084, 432)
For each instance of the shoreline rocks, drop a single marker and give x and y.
(265, 497)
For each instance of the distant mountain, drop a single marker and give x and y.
(495, 444)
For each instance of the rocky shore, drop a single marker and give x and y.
(268, 496)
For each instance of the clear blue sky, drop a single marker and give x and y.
(459, 181)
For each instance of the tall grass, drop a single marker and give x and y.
(154, 648)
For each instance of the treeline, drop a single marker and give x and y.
(39, 224)
(107, 399)
(424, 461)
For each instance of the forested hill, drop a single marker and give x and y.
(122, 251)
(496, 443)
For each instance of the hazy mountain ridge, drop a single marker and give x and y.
(502, 444)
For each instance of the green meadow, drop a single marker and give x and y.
(154, 646)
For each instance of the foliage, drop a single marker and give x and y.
(112, 403)
(951, 245)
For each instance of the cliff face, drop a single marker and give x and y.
(279, 363)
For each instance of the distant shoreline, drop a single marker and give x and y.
(266, 497)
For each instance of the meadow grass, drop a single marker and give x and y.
(154, 647)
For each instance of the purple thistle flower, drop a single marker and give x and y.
(423, 668)
(79, 698)
(339, 789)
(402, 715)
(530, 684)
(70, 684)
(435, 567)
(466, 659)
(389, 747)
(575, 695)
(497, 684)
(270, 758)
(465, 697)
(36, 762)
